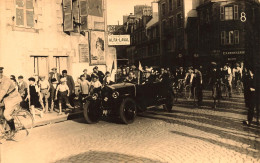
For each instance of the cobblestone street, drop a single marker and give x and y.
(188, 134)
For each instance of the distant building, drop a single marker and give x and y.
(228, 30)
(173, 20)
(142, 10)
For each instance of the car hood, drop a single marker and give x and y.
(120, 85)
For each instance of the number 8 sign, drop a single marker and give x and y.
(243, 17)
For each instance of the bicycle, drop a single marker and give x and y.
(239, 87)
(178, 88)
(24, 122)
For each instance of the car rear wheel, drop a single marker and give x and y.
(127, 110)
(92, 112)
(169, 102)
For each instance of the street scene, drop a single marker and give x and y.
(129, 81)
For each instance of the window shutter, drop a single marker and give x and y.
(223, 36)
(236, 12)
(83, 15)
(29, 4)
(236, 36)
(75, 12)
(222, 13)
(67, 15)
(19, 3)
(19, 17)
(30, 18)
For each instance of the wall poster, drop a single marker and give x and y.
(97, 48)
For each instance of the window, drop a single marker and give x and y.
(40, 65)
(229, 37)
(170, 5)
(25, 13)
(61, 63)
(229, 13)
(179, 20)
(163, 9)
(178, 3)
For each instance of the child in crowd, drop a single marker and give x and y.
(34, 97)
(44, 86)
(84, 88)
(94, 84)
(63, 92)
(52, 93)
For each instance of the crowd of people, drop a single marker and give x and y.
(59, 89)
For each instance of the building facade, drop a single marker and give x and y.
(37, 35)
(173, 19)
(228, 30)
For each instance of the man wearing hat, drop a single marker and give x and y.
(54, 75)
(71, 85)
(86, 75)
(100, 74)
(11, 99)
(197, 82)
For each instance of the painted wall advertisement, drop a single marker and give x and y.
(97, 54)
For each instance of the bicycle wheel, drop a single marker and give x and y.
(24, 122)
(239, 87)
(187, 92)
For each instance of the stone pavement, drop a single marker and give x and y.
(188, 134)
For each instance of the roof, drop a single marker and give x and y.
(153, 21)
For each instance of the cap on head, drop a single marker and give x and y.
(85, 70)
(31, 79)
(42, 77)
(20, 77)
(95, 68)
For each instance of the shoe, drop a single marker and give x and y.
(246, 123)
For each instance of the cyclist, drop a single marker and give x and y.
(11, 98)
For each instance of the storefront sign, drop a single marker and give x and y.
(234, 52)
(83, 53)
(119, 40)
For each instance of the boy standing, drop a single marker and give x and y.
(44, 86)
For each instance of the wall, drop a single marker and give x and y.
(46, 39)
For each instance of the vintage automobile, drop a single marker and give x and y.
(124, 100)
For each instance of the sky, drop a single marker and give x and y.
(117, 8)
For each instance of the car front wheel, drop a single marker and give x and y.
(127, 110)
(92, 112)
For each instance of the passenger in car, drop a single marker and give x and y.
(95, 84)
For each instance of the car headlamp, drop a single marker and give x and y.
(95, 96)
(115, 95)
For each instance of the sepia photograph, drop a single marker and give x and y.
(129, 81)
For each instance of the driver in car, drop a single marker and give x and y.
(130, 78)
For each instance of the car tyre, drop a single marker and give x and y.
(92, 112)
(128, 110)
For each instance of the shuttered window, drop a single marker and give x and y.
(236, 12)
(25, 13)
(67, 16)
(222, 13)
(83, 15)
(236, 32)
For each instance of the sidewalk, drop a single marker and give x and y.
(54, 117)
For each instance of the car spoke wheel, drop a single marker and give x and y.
(128, 110)
(92, 112)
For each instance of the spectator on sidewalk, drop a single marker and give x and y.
(84, 89)
(34, 97)
(71, 85)
(198, 85)
(52, 94)
(44, 86)
(54, 75)
(62, 94)
(22, 87)
(86, 75)
(100, 74)
(250, 97)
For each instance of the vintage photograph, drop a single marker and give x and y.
(129, 81)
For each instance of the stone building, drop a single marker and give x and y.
(37, 35)
(173, 19)
(228, 30)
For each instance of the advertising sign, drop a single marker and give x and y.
(119, 40)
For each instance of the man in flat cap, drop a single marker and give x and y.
(100, 74)
(54, 75)
(86, 75)
(11, 99)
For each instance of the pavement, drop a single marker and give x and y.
(188, 134)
